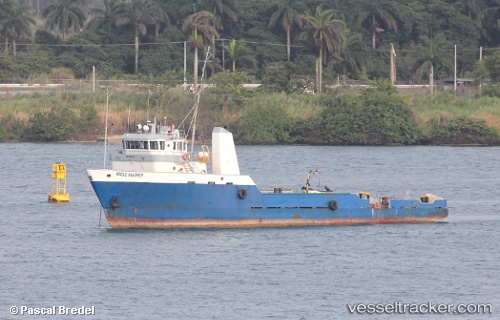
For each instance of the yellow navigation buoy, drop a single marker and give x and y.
(58, 183)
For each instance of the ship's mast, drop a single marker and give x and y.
(106, 125)
(198, 94)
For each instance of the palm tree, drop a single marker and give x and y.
(288, 13)
(472, 8)
(434, 53)
(377, 17)
(485, 16)
(222, 8)
(6, 7)
(135, 13)
(160, 11)
(328, 35)
(66, 15)
(18, 23)
(238, 52)
(197, 26)
(106, 15)
(353, 59)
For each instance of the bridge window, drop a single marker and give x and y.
(153, 145)
(140, 145)
(132, 145)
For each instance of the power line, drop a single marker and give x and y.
(97, 45)
(142, 44)
(450, 50)
(223, 40)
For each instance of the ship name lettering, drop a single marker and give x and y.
(135, 175)
(129, 174)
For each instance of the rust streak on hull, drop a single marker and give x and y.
(125, 223)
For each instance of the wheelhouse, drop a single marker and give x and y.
(168, 140)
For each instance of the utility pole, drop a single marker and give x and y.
(431, 80)
(223, 66)
(480, 77)
(185, 81)
(455, 72)
(393, 65)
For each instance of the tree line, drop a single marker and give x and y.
(330, 38)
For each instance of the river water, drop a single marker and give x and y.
(65, 255)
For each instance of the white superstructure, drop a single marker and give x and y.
(164, 150)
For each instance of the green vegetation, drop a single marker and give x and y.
(372, 118)
(461, 131)
(319, 39)
(264, 125)
(296, 49)
(376, 116)
(448, 106)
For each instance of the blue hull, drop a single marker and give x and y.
(184, 205)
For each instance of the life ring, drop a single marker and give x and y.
(203, 172)
(333, 205)
(385, 202)
(185, 157)
(180, 170)
(242, 194)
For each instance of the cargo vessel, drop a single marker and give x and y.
(155, 182)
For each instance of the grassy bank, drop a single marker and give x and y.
(449, 106)
(243, 113)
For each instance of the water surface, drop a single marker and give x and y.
(57, 254)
